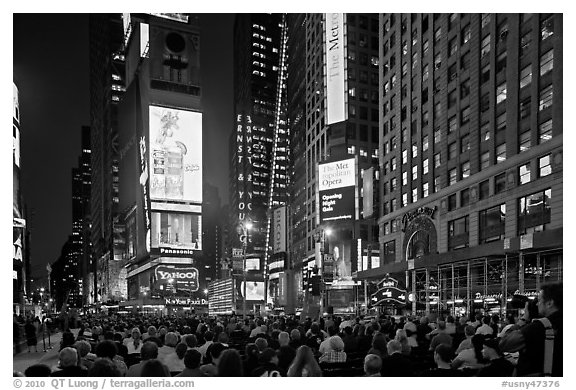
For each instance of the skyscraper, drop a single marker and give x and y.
(259, 143)
(333, 113)
(470, 157)
(107, 85)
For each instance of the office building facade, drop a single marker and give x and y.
(470, 158)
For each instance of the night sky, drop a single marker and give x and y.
(51, 70)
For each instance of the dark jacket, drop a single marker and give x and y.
(73, 371)
(397, 365)
(497, 367)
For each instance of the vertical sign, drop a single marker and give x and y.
(368, 186)
(280, 229)
(335, 72)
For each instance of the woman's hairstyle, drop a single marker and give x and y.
(304, 359)
(230, 364)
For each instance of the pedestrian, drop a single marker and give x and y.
(30, 331)
(497, 364)
(441, 336)
(68, 364)
(471, 359)
(304, 364)
(442, 359)
(372, 365)
(192, 360)
(230, 364)
(148, 351)
(334, 353)
(396, 363)
(536, 358)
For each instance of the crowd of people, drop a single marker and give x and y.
(202, 346)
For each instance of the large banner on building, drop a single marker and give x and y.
(335, 69)
(337, 187)
(177, 279)
(368, 198)
(279, 242)
(175, 154)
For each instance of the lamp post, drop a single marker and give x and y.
(248, 226)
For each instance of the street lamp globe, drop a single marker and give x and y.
(328, 231)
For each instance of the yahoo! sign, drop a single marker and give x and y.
(178, 276)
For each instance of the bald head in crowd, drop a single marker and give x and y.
(283, 339)
(372, 364)
(68, 357)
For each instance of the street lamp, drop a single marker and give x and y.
(248, 226)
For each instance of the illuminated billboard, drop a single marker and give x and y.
(279, 242)
(175, 154)
(176, 278)
(337, 190)
(254, 290)
(176, 233)
(335, 69)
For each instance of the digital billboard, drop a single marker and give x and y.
(335, 69)
(254, 290)
(179, 232)
(337, 190)
(176, 278)
(279, 242)
(175, 154)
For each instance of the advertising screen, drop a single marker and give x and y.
(280, 229)
(252, 264)
(254, 290)
(180, 231)
(335, 69)
(337, 190)
(176, 278)
(175, 154)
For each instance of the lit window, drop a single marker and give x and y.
(393, 164)
(525, 141)
(525, 76)
(414, 150)
(363, 153)
(546, 96)
(425, 166)
(425, 143)
(425, 73)
(501, 93)
(485, 46)
(452, 124)
(404, 156)
(452, 176)
(437, 160)
(465, 34)
(500, 153)
(437, 136)
(547, 28)
(465, 143)
(524, 173)
(437, 184)
(544, 166)
(414, 172)
(465, 169)
(485, 20)
(404, 200)
(425, 190)
(404, 178)
(545, 131)
(414, 195)
(485, 160)
(452, 47)
(425, 48)
(546, 62)
(352, 149)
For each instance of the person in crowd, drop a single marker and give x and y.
(295, 338)
(86, 358)
(285, 353)
(30, 331)
(104, 367)
(442, 359)
(422, 329)
(192, 360)
(450, 326)
(411, 332)
(469, 331)
(495, 324)
(175, 361)
(350, 342)
(485, 329)
(471, 359)
(134, 343)
(402, 337)
(250, 361)
(214, 352)
(304, 364)
(191, 341)
(441, 336)
(267, 364)
(372, 365)
(169, 347)
(497, 364)
(154, 368)
(37, 370)
(379, 345)
(68, 364)
(325, 345)
(230, 364)
(530, 339)
(364, 341)
(396, 364)
(107, 349)
(334, 353)
(67, 340)
(261, 343)
(208, 337)
(148, 351)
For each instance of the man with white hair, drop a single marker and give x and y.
(372, 365)
(68, 360)
(169, 348)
